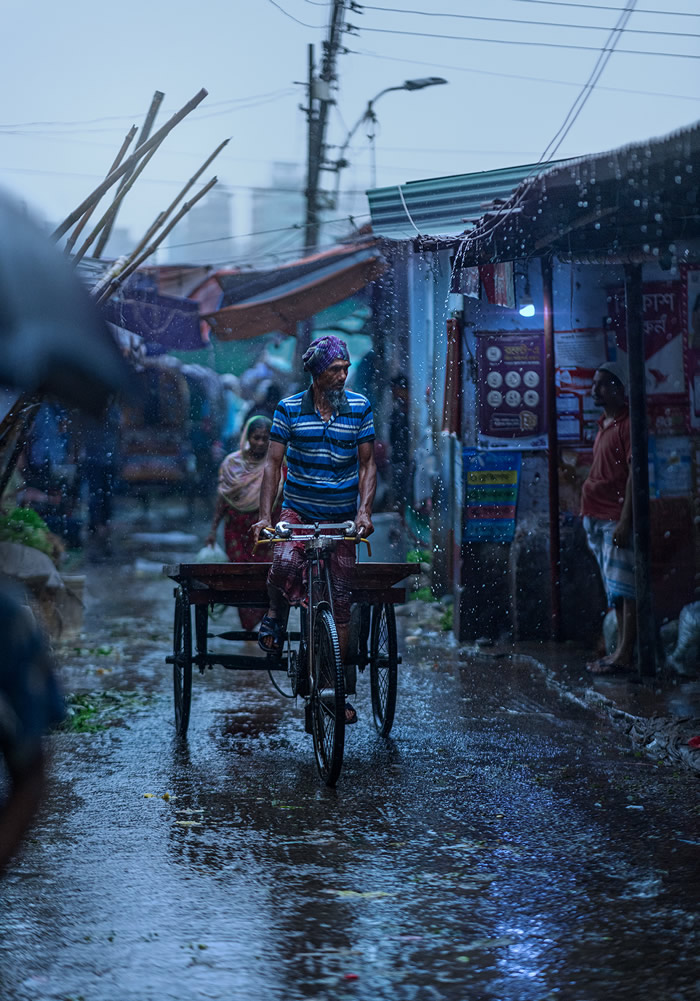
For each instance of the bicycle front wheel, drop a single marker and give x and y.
(327, 698)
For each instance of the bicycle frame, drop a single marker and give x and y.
(318, 544)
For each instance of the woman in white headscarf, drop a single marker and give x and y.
(238, 502)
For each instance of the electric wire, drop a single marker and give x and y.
(285, 256)
(526, 42)
(316, 27)
(578, 105)
(247, 107)
(272, 190)
(519, 76)
(564, 129)
(445, 149)
(127, 118)
(597, 6)
(260, 232)
(518, 20)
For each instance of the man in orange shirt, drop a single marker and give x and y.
(606, 506)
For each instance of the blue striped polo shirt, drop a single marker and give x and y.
(322, 465)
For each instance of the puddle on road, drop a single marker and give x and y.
(485, 851)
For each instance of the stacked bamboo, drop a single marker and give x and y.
(17, 423)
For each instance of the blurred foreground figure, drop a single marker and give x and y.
(52, 342)
(30, 704)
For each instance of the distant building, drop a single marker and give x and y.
(205, 234)
(120, 243)
(275, 210)
(278, 214)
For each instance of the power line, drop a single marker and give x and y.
(437, 149)
(275, 187)
(238, 236)
(128, 118)
(25, 129)
(316, 27)
(272, 189)
(578, 105)
(191, 154)
(261, 232)
(518, 76)
(246, 107)
(509, 41)
(597, 6)
(517, 20)
(572, 115)
(290, 254)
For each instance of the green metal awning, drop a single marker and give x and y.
(444, 206)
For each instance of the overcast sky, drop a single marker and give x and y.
(75, 75)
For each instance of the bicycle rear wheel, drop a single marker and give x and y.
(383, 667)
(327, 699)
(182, 663)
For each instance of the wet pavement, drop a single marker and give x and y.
(507, 842)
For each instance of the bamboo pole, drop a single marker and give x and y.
(13, 433)
(116, 280)
(70, 242)
(162, 216)
(156, 102)
(119, 198)
(112, 178)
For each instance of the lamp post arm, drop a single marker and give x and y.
(367, 115)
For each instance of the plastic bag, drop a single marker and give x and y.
(685, 659)
(610, 631)
(211, 554)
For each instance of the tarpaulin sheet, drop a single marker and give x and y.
(165, 322)
(293, 301)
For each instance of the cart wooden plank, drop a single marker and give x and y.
(250, 578)
(260, 599)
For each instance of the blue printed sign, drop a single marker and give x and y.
(491, 481)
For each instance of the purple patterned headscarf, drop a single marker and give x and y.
(323, 352)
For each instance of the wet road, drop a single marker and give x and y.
(504, 844)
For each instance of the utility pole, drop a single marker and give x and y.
(319, 101)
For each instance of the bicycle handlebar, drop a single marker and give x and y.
(284, 531)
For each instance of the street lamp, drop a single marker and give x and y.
(369, 115)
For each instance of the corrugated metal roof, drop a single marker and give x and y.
(639, 198)
(443, 206)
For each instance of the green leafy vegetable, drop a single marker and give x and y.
(26, 527)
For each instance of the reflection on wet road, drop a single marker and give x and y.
(502, 845)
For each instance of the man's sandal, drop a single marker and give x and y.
(605, 665)
(350, 714)
(271, 629)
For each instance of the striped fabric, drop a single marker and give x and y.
(322, 466)
(616, 564)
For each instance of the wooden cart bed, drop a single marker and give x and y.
(245, 583)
